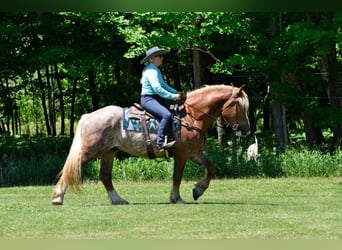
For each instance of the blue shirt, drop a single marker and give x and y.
(153, 84)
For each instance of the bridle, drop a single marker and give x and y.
(234, 127)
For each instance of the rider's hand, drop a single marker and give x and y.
(178, 96)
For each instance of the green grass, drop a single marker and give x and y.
(282, 208)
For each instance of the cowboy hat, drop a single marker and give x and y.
(154, 51)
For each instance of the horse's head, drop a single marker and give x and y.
(235, 110)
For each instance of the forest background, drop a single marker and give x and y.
(57, 66)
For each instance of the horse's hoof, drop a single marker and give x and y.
(180, 202)
(177, 201)
(57, 201)
(195, 194)
(120, 202)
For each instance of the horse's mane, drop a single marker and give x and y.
(205, 88)
(243, 100)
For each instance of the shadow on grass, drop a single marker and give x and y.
(206, 203)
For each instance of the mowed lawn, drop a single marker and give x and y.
(284, 208)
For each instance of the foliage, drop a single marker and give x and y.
(75, 62)
(311, 163)
(133, 169)
(57, 66)
(38, 160)
(31, 160)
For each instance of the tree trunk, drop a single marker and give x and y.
(2, 126)
(314, 136)
(176, 76)
(130, 73)
(16, 117)
(278, 108)
(279, 125)
(266, 110)
(61, 100)
(8, 106)
(43, 99)
(36, 111)
(329, 70)
(197, 69)
(330, 75)
(51, 102)
(334, 88)
(221, 133)
(200, 64)
(117, 72)
(93, 91)
(72, 108)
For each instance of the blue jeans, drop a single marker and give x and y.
(153, 106)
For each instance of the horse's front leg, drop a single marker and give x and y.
(106, 178)
(202, 185)
(179, 163)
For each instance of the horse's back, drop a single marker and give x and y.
(101, 126)
(103, 130)
(101, 118)
(110, 109)
(102, 115)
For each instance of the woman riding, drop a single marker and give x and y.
(154, 89)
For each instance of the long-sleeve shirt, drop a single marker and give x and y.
(153, 84)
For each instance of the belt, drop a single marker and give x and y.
(156, 96)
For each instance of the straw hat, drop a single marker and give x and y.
(154, 51)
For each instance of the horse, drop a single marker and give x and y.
(100, 134)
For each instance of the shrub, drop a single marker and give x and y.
(137, 169)
(38, 160)
(309, 163)
(30, 170)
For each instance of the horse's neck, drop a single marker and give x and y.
(204, 114)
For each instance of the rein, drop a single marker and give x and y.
(187, 125)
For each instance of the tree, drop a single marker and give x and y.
(72, 63)
(328, 64)
(10, 40)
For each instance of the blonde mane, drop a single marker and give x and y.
(204, 89)
(243, 98)
(243, 101)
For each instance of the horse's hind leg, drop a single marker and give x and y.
(202, 185)
(106, 177)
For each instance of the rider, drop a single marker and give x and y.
(153, 90)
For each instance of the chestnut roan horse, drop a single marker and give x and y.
(101, 134)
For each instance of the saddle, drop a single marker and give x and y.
(136, 111)
(149, 123)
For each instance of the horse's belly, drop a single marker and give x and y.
(135, 144)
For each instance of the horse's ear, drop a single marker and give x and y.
(240, 89)
(232, 84)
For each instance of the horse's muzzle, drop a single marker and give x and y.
(243, 130)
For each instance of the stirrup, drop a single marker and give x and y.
(167, 145)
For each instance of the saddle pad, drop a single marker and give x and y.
(133, 124)
(152, 125)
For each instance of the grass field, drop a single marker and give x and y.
(283, 208)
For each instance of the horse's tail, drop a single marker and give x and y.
(70, 175)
